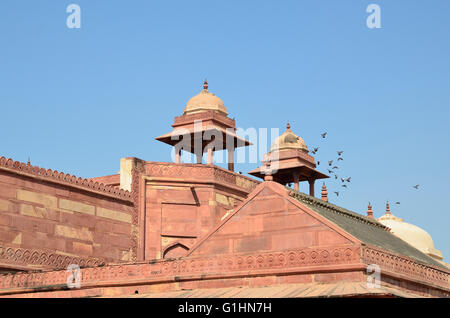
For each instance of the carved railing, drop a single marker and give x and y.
(404, 265)
(199, 171)
(179, 120)
(53, 175)
(306, 259)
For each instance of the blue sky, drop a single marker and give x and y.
(77, 100)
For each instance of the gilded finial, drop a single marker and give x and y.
(205, 85)
(288, 126)
(388, 210)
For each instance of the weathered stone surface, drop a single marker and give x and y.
(114, 215)
(75, 233)
(82, 248)
(5, 205)
(35, 197)
(30, 210)
(76, 206)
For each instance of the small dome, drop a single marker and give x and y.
(205, 101)
(411, 234)
(289, 140)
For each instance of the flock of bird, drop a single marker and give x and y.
(331, 171)
(333, 167)
(415, 187)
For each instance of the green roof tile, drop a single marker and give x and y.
(365, 229)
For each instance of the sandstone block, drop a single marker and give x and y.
(33, 211)
(82, 234)
(35, 197)
(114, 215)
(76, 206)
(82, 248)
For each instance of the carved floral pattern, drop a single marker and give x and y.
(200, 171)
(192, 265)
(136, 195)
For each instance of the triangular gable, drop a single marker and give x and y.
(269, 220)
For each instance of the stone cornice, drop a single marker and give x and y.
(54, 176)
(288, 262)
(405, 266)
(39, 259)
(298, 261)
(207, 115)
(198, 173)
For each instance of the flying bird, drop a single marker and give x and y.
(337, 193)
(330, 171)
(318, 163)
(330, 162)
(342, 179)
(335, 167)
(340, 152)
(416, 186)
(314, 150)
(324, 134)
(340, 158)
(348, 179)
(397, 202)
(335, 176)
(344, 185)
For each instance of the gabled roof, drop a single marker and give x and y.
(366, 230)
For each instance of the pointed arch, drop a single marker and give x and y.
(175, 250)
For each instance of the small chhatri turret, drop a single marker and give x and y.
(288, 161)
(204, 127)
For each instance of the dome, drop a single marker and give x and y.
(289, 140)
(205, 101)
(411, 234)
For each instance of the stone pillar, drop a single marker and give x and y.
(210, 155)
(126, 167)
(199, 157)
(311, 187)
(177, 155)
(231, 159)
(296, 181)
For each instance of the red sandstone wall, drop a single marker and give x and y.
(177, 216)
(269, 221)
(40, 220)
